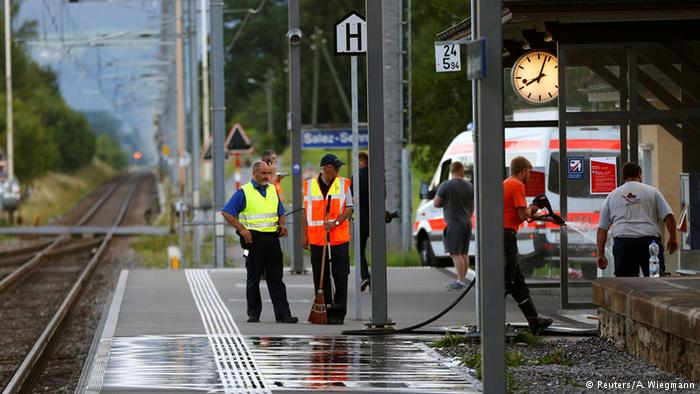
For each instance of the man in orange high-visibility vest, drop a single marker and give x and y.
(332, 192)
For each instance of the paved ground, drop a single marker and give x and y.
(186, 330)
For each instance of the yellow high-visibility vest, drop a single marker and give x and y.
(260, 213)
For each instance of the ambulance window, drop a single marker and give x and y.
(445, 171)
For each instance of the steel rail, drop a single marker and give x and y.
(20, 272)
(63, 251)
(24, 250)
(19, 379)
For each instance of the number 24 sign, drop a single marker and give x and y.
(447, 57)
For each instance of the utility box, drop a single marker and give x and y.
(689, 225)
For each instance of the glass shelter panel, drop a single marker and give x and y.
(596, 79)
(592, 171)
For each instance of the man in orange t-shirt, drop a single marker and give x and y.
(515, 211)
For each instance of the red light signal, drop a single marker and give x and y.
(138, 155)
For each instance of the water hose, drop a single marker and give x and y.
(411, 329)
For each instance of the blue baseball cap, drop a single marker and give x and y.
(331, 159)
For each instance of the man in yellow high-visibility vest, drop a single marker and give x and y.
(258, 216)
(329, 193)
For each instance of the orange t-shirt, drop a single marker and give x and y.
(513, 198)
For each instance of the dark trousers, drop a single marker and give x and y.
(515, 281)
(265, 255)
(632, 253)
(364, 267)
(340, 268)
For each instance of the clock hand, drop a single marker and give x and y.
(542, 68)
(533, 80)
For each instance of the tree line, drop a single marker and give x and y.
(48, 134)
(256, 60)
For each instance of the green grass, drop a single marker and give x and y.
(55, 193)
(450, 340)
(555, 357)
(528, 338)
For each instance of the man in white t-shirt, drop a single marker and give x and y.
(634, 210)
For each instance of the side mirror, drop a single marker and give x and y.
(425, 192)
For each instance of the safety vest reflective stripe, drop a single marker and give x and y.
(315, 205)
(261, 225)
(259, 216)
(260, 213)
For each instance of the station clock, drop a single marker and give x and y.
(535, 76)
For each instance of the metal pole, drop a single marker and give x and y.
(475, 171)
(356, 181)
(196, 142)
(375, 120)
(490, 195)
(269, 80)
(218, 126)
(180, 87)
(206, 129)
(294, 36)
(314, 89)
(406, 179)
(8, 88)
(563, 192)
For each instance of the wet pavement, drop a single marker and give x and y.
(186, 331)
(317, 363)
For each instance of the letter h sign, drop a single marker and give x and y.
(351, 35)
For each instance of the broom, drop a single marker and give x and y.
(318, 309)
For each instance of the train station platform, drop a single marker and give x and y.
(186, 331)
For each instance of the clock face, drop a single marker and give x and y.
(535, 77)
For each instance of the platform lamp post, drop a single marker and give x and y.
(294, 36)
(8, 88)
(218, 125)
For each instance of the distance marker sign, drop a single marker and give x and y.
(447, 56)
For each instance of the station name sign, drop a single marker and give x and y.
(332, 138)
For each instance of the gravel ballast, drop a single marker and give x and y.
(588, 365)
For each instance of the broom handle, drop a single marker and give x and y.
(323, 263)
(325, 243)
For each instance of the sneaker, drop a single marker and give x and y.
(456, 285)
(539, 324)
(364, 284)
(253, 319)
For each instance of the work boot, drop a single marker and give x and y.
(538, 324)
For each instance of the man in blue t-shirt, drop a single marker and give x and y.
(258, 216)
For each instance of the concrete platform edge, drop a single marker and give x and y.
(105, 329)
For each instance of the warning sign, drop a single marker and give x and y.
(603, 174)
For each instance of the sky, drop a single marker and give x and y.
(105, 55)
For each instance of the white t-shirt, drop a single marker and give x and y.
(634, 210)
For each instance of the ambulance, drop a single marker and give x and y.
(538, 243)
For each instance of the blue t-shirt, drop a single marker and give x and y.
(236, 204)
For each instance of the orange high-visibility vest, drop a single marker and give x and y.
(315, 206)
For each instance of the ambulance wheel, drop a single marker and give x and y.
(427, 258)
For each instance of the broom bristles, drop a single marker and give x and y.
(318, 310)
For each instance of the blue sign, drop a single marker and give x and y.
(332, 138)
(575, 168)
(296, 169)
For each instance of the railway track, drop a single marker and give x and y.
(43, 282)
